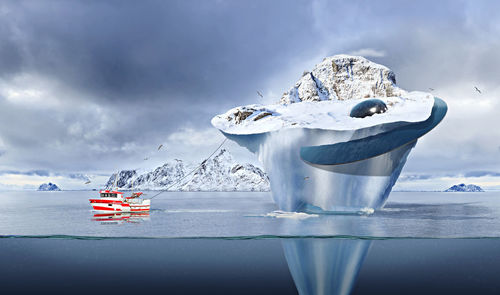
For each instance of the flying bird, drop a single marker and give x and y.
(88, 181)
(260, 94)
(431, 89)
(306, 178)
(161, 145)
(145, 159)
(477, 89)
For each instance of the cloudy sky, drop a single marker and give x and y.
(91, 87)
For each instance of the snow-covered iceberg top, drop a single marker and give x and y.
(331, 115)
(324, 98)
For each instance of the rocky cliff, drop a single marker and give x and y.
(343, 77)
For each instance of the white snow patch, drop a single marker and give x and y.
(329, 115)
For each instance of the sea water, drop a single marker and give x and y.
(251, 215)
(238, 242)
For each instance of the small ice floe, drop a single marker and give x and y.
(291, 215)
(366, 211)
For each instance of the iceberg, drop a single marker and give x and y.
(338, 139)
(469, 188)
(48, 187)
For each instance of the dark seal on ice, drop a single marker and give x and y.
(368, 108)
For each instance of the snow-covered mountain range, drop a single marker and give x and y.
(220, 173)
(465, 188)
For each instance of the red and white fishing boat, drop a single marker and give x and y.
(114, 201)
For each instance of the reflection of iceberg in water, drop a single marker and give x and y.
(320, 158)
(325, 266)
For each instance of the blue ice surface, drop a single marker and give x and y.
(372, 146)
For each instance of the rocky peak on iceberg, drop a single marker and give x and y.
(48, 187)
(324, 97)
(343, 77)
(220, 173)
(465, 188)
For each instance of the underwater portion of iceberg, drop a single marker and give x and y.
(335, 151)
(325, 266)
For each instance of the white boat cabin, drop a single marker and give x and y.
(111, 194)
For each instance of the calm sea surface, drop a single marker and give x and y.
(236, 243)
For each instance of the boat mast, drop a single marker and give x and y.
(116, 180)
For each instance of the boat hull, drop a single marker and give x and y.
(119, 206)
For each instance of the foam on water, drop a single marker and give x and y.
(291, 215)
(196, 211)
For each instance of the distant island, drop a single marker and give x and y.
(470, 188)
(48, 187)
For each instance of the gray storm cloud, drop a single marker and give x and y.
(95, 85)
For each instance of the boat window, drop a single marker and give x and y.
(108, 195)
